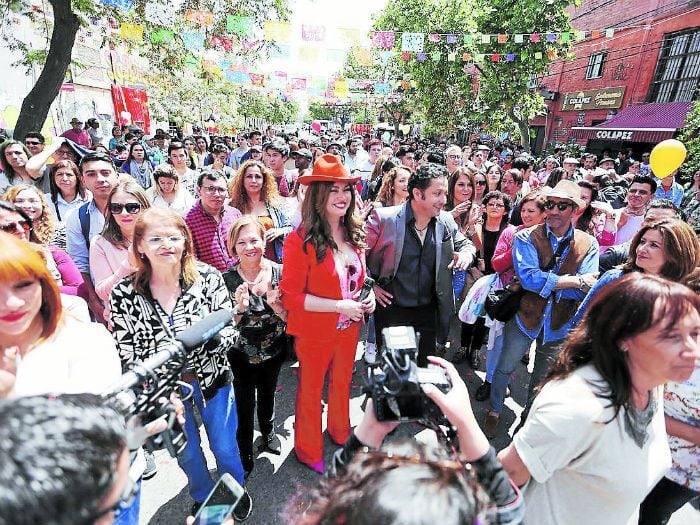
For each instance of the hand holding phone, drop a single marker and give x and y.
(220, 502)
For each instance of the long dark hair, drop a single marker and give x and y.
(623, 309)
(317, 231)
(584, 221)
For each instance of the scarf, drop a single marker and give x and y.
(142, 174)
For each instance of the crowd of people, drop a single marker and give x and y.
(111, 250)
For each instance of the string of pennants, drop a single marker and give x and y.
(410, 45)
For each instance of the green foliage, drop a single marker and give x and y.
(173, 94)
(690, 136)
(320, 111)
(447, 92)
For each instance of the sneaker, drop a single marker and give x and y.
(272, 443)
(244, 507)
(370, 353)
(151, 467)
(491, 424)
(483, 392)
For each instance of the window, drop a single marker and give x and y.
(595, 65)
(677, 76)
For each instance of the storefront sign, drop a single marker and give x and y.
(608, 98)
(614, 134)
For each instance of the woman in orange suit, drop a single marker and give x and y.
(323, 274)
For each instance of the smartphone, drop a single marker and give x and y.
(220, 502)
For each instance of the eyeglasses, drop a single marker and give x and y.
(131, 208)
(16, 226)
(161, 241)
(481, 183)
(561, 206)
(214, 190)
(454, 157)
(641, 193)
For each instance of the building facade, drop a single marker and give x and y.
(633, 77)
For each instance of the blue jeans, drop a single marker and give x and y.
(220, 422)
(492, 356)
(515, 344)
(130, 515)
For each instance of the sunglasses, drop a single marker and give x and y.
(561, 206)
(131, 208)
(481, 183)
(14, 226)
(31, 143)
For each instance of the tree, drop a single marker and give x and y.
(452, 92)
(165, 58)
(321, 111)
(690, 136)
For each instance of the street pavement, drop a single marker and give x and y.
(278, 483)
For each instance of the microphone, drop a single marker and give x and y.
(193, 337)
(200, 332)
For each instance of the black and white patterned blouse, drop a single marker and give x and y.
(141, 326)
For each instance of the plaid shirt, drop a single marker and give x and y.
(209, 236)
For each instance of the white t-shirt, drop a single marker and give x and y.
(584, 471)
(79, 358)
(632, 226)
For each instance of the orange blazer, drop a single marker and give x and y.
(301, 275)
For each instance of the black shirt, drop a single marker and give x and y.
(414, 282)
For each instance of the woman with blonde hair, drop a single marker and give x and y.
(168, 292)
(254, 192)
(394, 188)
(110, 258)
(167, 192)
(258, 354)
(32, 202)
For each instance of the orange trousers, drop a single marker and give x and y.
(317, 357)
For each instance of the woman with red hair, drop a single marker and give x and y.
(51, 350)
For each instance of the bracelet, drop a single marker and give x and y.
(581, 283)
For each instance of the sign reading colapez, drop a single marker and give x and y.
(614, 134)
(608, 98)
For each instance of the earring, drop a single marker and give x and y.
(142, 255)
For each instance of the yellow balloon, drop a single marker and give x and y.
(667, 157)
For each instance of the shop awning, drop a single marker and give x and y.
(642, 123)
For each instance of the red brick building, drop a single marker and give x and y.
(652, 58)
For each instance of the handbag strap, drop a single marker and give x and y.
(554, 264)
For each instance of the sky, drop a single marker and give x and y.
(333, 14)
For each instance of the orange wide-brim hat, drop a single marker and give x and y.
(328, 168)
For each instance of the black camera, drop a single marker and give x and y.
(394, 383)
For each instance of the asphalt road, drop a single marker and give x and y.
(276, 480)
